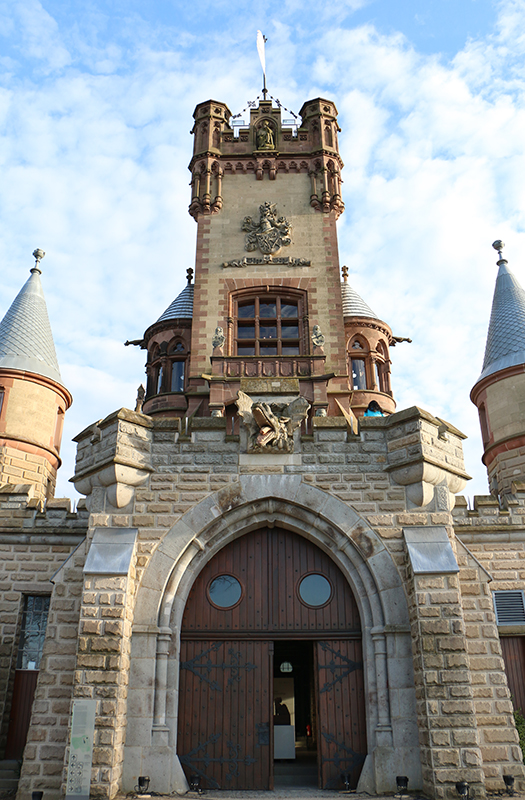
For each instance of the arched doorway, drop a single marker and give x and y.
(270, 665)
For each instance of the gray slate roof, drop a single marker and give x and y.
(506, 337)
(182, 306)
(353, 304)
(26, 341)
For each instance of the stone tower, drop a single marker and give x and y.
(266, 313)
(499, 392)
(33, 399)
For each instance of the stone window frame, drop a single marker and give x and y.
(376, 364)
(279, 294)
(160, 367)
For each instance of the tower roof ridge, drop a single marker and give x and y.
(506, 334)
(26, 340)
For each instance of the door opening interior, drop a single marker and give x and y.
(294, 715)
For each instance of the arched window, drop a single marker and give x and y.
(177, 366)
(360, 377)
(268, 323)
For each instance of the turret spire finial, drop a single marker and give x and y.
(345, 274)
(189, 275)
(499, 245)
(38, 255)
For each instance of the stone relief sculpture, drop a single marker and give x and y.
(265, 140)
(269, 234)
(271, 426)
(218, 338)
(317, 337)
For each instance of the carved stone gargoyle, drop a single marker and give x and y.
(271, 425)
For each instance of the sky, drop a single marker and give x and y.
(96, 103)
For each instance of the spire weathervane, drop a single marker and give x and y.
(261, 41)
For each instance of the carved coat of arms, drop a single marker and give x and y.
(269, 234)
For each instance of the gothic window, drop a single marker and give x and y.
(177, 365)
(269, 324)
(359, 381)
(34, 622)
(359, 366)
(2, 395)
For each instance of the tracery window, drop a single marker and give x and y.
(268, 324)
(34, 623)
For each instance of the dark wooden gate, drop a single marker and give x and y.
(342, 742)
(225, 687)
(513, 649)
(225, 709)
(20, 716)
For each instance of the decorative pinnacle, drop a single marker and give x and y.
(38, 255)
(345, 273)
(189, 275)
(499, 245)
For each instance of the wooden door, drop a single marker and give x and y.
(513, 649)
(20, 716)
(341, 703)
(225, 707)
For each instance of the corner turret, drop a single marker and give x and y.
(33, 399)
(499, 392)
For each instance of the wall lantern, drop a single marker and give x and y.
(509, 783)
(195, 784)
(143, 785)
(402, 783)
(463, 789)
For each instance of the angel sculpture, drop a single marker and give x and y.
(271, 426)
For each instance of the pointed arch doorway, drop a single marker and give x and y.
(271, 667)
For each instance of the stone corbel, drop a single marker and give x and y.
(119, 480)
(421, 477)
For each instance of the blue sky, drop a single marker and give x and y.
(96, 102)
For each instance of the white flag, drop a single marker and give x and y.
(260, 50)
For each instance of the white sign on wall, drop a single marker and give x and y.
(81, 750)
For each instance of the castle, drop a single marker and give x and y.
(268, 580)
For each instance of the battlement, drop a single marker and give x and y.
(21, 510)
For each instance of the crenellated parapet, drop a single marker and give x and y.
(266, 147)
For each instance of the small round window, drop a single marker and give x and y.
(225, 591)
(315, 590)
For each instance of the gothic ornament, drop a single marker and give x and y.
(269, 234)
(271, 426)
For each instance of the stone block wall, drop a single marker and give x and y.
(34, 542)
(26, 464)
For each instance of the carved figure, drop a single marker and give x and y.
(141, 394)
(218, 338)
(269, 234)
(317, 337)
(265, 139)
(271, 426)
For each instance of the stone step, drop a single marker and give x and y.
(8, 783)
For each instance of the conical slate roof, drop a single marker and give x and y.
(506, 337)
(26, 341)
(353, 304)
(182, 306)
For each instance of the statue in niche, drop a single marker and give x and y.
(265, 140)
(271, 425)
(269, 234)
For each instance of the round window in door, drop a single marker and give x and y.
(315, 590)
(224, 591)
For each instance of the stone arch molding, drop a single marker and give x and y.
(285, 501)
